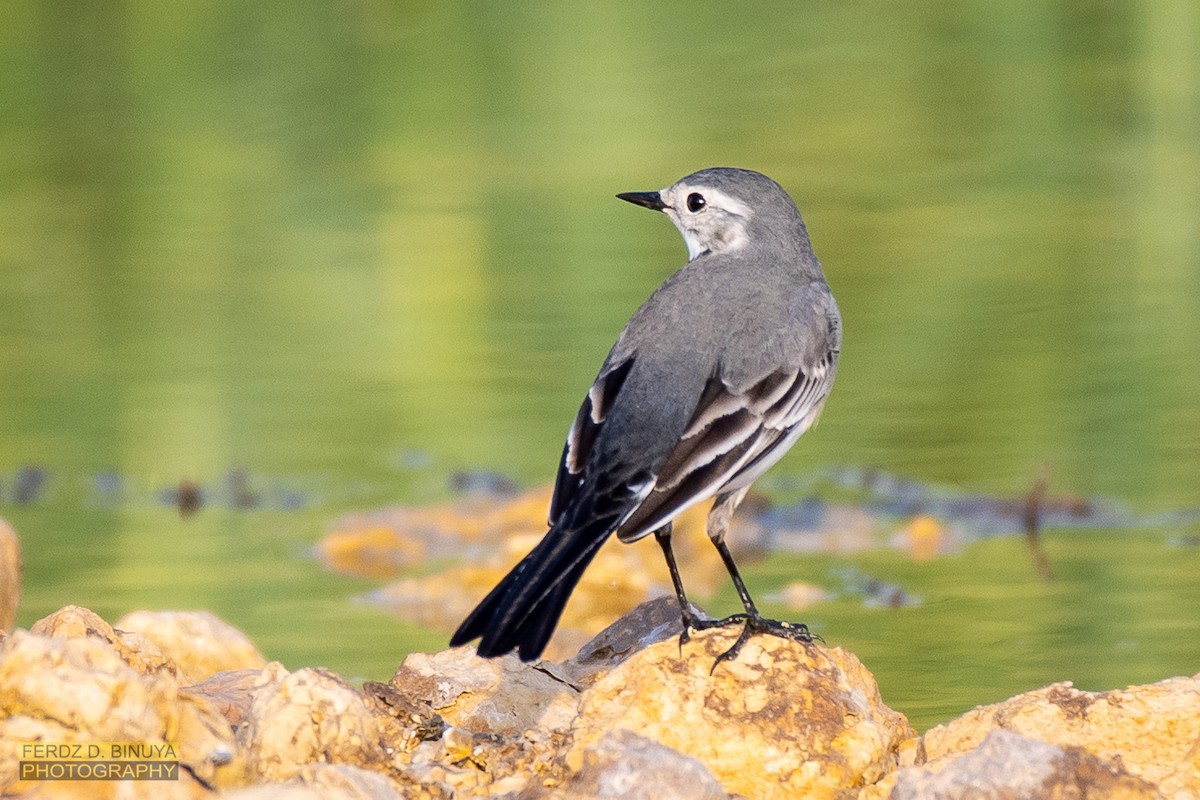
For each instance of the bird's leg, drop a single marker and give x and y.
(718, 523)
(690, 620)
(663, 537)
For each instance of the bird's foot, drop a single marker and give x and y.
(756, 624)
(693, 622)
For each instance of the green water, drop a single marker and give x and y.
(354, 247)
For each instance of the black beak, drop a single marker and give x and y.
(651, 200)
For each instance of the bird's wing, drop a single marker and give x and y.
(588, 422)
(733, 436)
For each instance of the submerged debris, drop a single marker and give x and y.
(1185, 540)
(488, 483)
(875, 592)
(1032, 518)
(187, 497)
(28, 484)
(983, 516)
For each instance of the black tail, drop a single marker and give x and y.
(522, 611)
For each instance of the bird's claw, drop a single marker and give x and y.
(793, 631)
(691, 622)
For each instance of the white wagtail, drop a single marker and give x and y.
(711, 382)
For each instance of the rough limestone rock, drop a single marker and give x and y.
(199, 643)
(783, 720)
(10, 576)
(232, 692)
(500, 696)
(1151, 732)
(1008, 766)
(136, 650)
(306, 717)
(629, 716)
(625, 765)
(324, 782)
(80, 689)
(650, 623)
(490, 726)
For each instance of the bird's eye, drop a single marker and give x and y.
(695, 202)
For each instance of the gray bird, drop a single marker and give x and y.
(711, 382)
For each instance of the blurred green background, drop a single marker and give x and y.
(352, 247)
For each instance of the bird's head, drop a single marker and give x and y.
(714, 208)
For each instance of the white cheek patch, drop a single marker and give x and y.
(730, 237)
(693, 243)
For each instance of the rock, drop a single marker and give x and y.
(309, 716)
(629, 716)
(625, 765)
(10, 576)
(199, 643)
(232, 692)
(485, 726)
(1008, 766)
(136, 650)
(501, 696)
(798, 595)
(1152, 732)
(651, 622)
(324, 782)
(375, 551)
(762, 726)
(783, 720)
(925, 537)
(80, 689)
(358, 542)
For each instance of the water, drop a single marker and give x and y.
(353, 248)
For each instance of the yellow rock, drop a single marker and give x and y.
(308, 716)
(502, 696)
(783, 720)
(199, 643)
(79, 689)
(388, 542)
(629, 717)
(924, 537)
(324, 782)
(371, 552)
(10, 576)
(1152, 731)
(1009, 765)
(136, 650)
(799, 595)
(232, 692)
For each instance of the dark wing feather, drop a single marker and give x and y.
(732, 437)
(583, 433)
